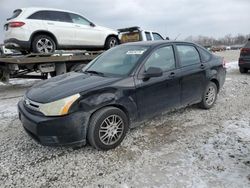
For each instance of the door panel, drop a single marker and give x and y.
(86, 33)
(193, 74)
(158, 94)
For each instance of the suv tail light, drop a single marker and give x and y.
(245, 51)
(16, 24)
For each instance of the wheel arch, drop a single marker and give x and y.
(214, 80)
(119, 106)
(43, 32)
(112, 35)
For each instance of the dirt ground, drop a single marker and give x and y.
(189, 147)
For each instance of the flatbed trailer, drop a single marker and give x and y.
(40, 66)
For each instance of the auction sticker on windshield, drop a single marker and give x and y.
(135, 52)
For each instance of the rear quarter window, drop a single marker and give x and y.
(205, 55)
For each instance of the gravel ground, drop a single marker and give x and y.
(189, 147)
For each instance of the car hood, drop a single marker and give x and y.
(65, 85)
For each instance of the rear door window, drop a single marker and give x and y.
(40, 15)
(157, 36)
(148, 36)
(188, 55)
(15, 14)
(51, 15)
(60, 16)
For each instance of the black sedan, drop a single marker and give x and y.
(119, 89)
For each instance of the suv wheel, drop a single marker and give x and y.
(107, 128)
(243, 70)
(111, 42)
(43, 44)
(209, 96)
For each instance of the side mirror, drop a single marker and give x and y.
(92, 24)
(167, 38)
(152, 72)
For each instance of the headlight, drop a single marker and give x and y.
(60, 107)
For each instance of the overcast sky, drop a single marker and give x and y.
(169, 17)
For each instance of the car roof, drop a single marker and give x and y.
(156, 43)
(35, 9)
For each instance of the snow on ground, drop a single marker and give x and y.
(189, 147)
(232, 66)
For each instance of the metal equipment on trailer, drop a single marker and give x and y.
(40, 66)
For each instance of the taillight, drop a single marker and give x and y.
(16, 24)
(245, 51)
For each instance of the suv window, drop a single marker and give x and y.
(51, 15)
(78, 19)
(60, 16)
(40, 15)
(161, 58)
(148, 36)
(15, 14)
(205, 55)
(157, 36)
(188, 55)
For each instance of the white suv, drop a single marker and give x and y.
(43, 30)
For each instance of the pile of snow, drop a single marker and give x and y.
(230, 66)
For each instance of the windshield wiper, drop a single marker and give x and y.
(94, 72)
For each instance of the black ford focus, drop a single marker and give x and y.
(122, 87)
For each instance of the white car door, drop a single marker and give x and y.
(86, 33)
(60, 24)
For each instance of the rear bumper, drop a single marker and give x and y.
(54, 131)
(13, 43)
(244, 63)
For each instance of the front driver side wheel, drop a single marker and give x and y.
(107, 128)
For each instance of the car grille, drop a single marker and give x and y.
(34, 106)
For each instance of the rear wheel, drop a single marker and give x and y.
(111, 42)
(243, 70)
(107, 128)
(209, 96)
(43, 44)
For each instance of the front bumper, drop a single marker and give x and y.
(16, 44)
(54, 131)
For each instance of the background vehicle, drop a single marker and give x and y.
(244, 60)
(125, 85)
(135, 34)
(44, 30)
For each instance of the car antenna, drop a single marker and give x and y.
(177, 36)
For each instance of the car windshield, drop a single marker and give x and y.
(118, 61)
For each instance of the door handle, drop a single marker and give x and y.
(77, 26)
(171, 75)
(49, 23)
(202, 66)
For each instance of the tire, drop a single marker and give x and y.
(46, 44)
(111, 42)
(98, 133)
(243, 70)
(207, 102)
